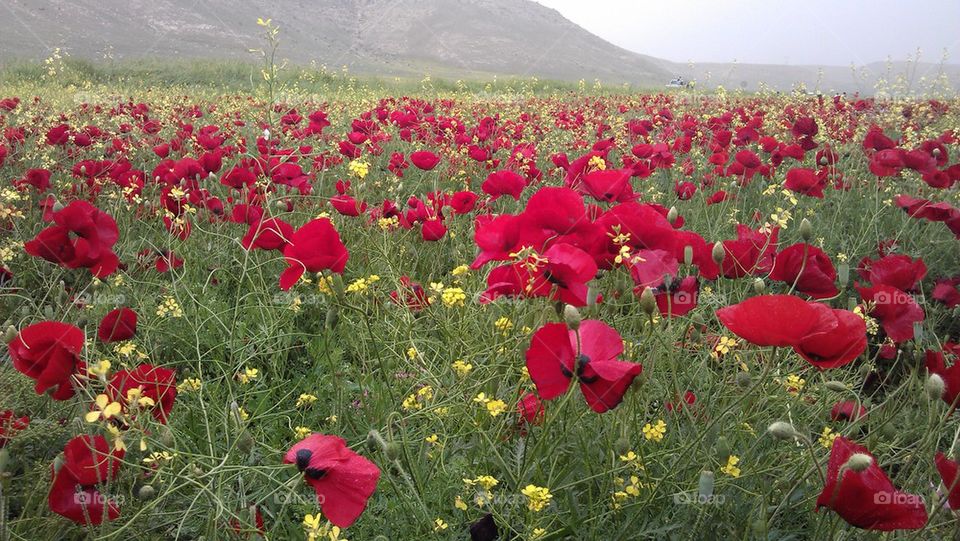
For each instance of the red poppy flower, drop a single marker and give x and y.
(556, 356)
(751, 253)
(342, 479)
(807, 268)
(847, 410)
(83, 236)
(531, 410)
(503, 183)
(838, 339)
(895, 270)
(608, 185)
(411, 294)
(561, 274)
(678, 298)
(948, 474)
(118, 325)
(424, 160)
(433, 230)
(314, 247)
(806, 182)
(10, 424)
(896, 310)
(867, 499)
(947, 291)
(89, 461)
(825, 337)
(49, 352)
(269, 234)
(155, 383)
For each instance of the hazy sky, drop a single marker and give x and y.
(828, 32)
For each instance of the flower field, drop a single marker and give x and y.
(464, 314)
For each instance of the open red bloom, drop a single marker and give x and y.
(896, 310)
(314, 247)
(410, 294)
(49, 352)
(751, 253)
(678, 298)
(502, 183)
(88, 462)
(10, 424)
(530, 409)
(806, 182)
(825, 337)
(867, 499)
(951, 481)
(847, 410)
(342, 479)
(269, 234)
(895, 270)
(561, 274)
(83, 236)
(118, 325)
(556, 356)
(947, 291)
(159, 385)
(424, 159)
(807, 268)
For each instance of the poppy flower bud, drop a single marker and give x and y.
(648, 303)
(744, 380)
(146, 492)
(759, 286)
(245, 442)
(279, 204)
(48, 312)
(332, 318)
(843, 274)
(857, 462)
(917, 332)
(572, 317)
(806, 230)
(782, 430)
(705, 485)
(591, 296)
(392, 451)
(836, 386)
(934, 386)
(9, 334)
(166, 437)
(57, 463)
(672, 214)
(718, 253)
(57, 206)
(688, 255)
(4, 460)
(722, 447)
(375, 441)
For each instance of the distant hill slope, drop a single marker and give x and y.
(445, 38)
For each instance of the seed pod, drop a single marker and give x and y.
(744, 380)
(722, 448)
(392, 451)
(245, 442)
(843, 274)
(759, 286)
(9, 334)
(688, 255)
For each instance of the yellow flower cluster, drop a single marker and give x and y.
(169, 307)
(655, 432)
(537, 497)
(453, 296)
(731, 468)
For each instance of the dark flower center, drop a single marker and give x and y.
(316, 473)
(303, 459)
